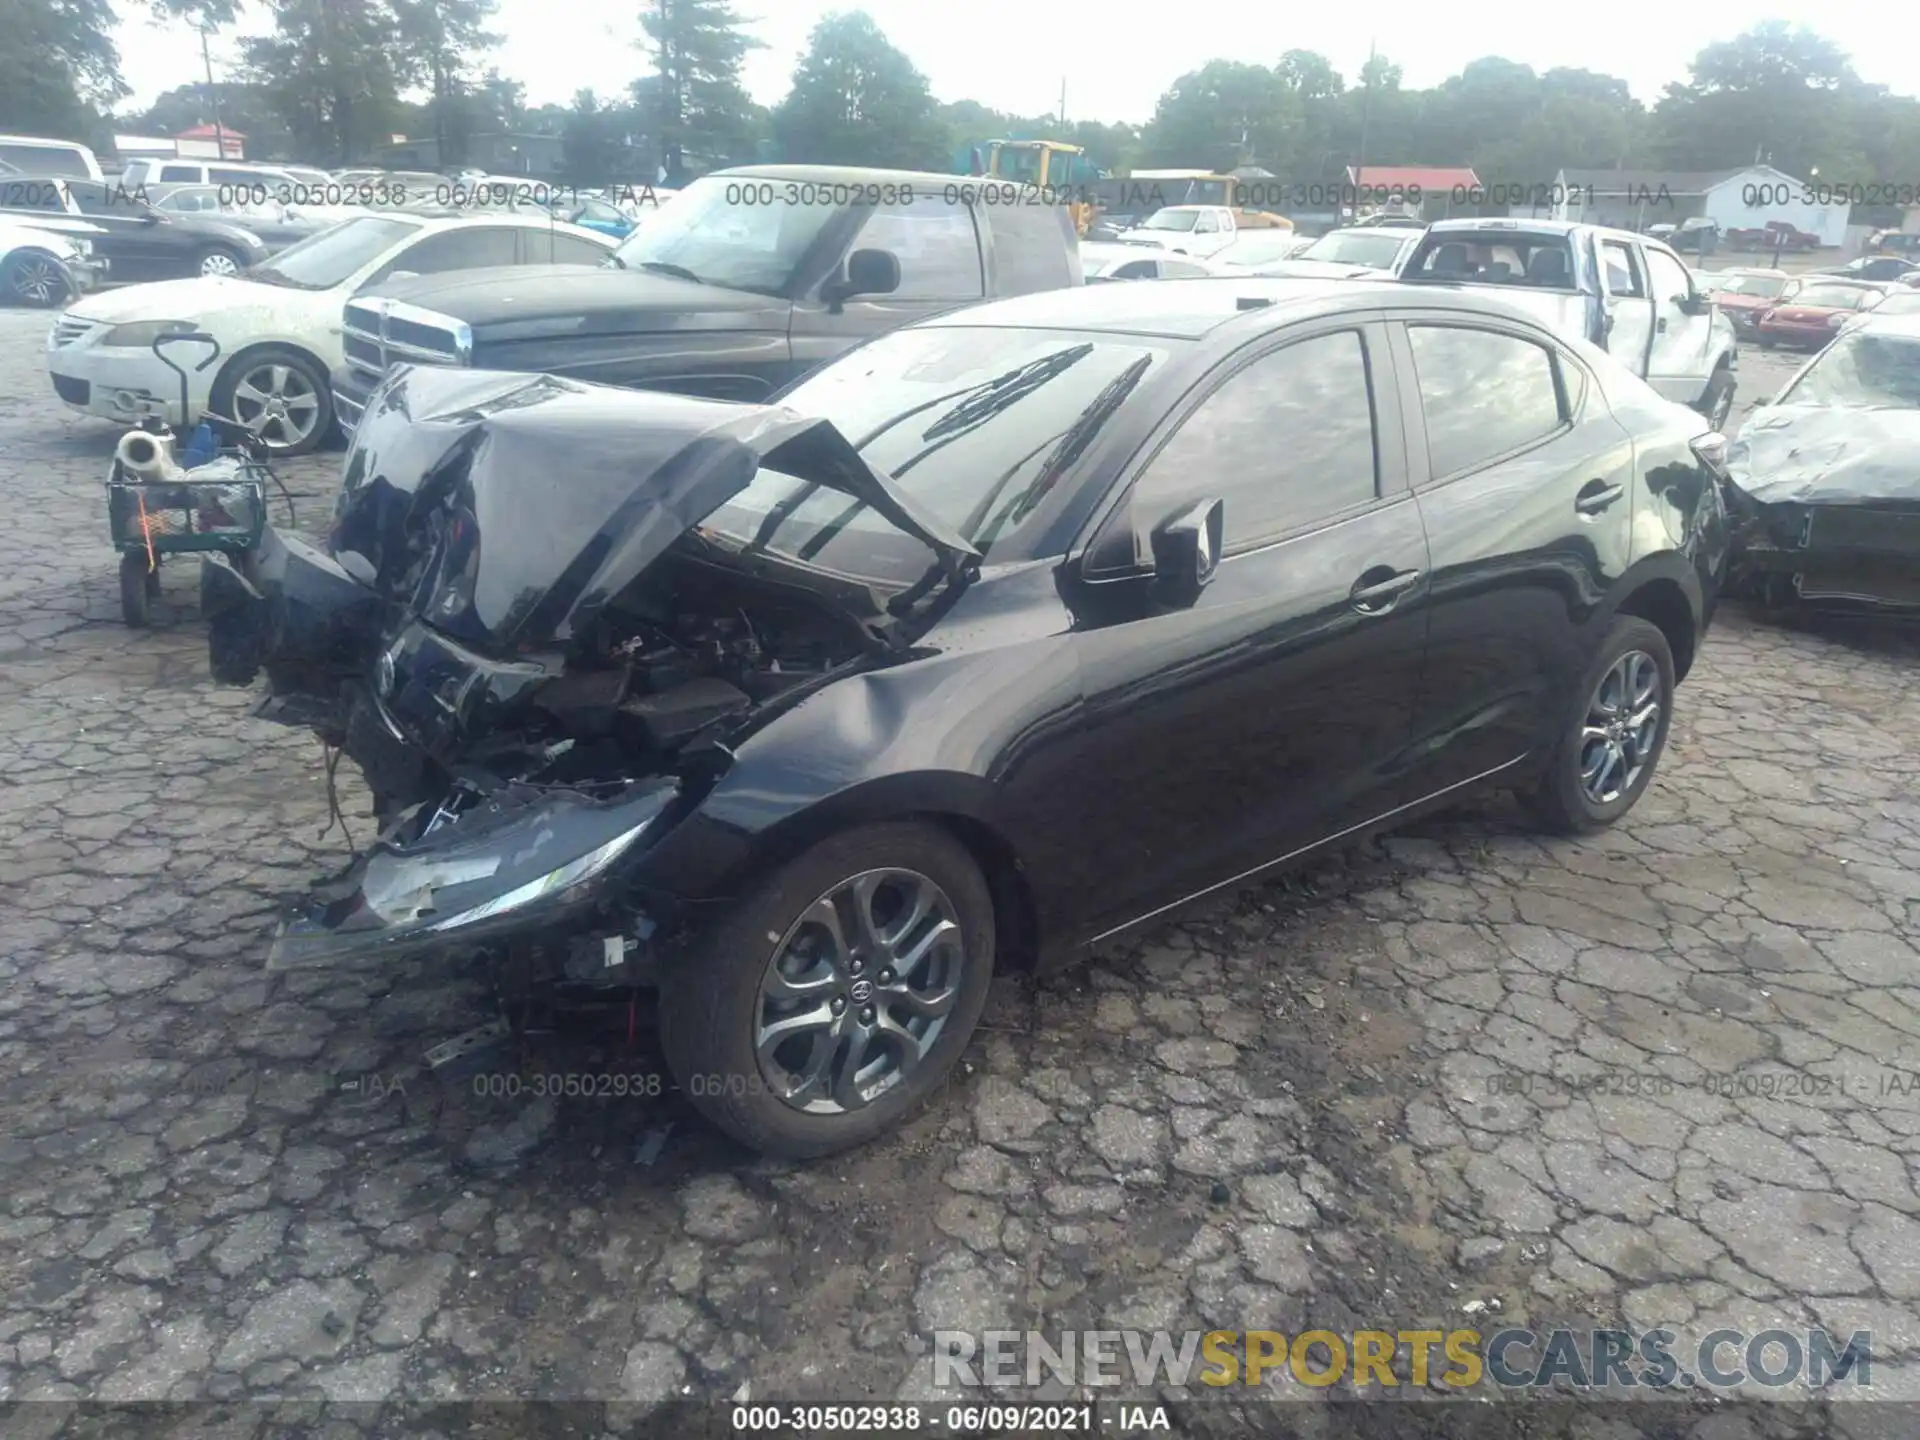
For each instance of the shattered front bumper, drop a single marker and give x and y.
(1852, 557)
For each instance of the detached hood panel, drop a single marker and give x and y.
(1809, 455)
(506, 509)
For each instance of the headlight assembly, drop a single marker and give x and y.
(140, 334)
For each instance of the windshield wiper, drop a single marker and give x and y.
(667, 267)
(1001, 392)
(1072, 446)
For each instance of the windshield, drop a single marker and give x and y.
(1375, 250)
(1832, 297)
(1865, 371)
(333, 256)
(708, 232)
(1764, 286)
(1172, 220)
(977, 425)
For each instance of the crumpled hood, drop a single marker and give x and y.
(532, 500)
(1814, 455)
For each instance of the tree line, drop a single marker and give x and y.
(330, 81)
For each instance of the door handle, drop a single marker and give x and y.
(1660, 326)
(1591, 501)
(1380, 589)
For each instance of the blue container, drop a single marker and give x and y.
(201, 447)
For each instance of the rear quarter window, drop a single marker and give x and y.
(1034, 247)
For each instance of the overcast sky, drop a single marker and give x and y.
(1116, 58)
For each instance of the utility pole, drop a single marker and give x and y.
(1063, 102)
(1366, 109)
(213, 96)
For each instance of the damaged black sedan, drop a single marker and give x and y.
(1825, 479)
(1003, 635)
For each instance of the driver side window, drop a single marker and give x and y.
(1670, 279)
(1286, 441)
(454, 250)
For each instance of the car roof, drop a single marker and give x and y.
(1191, 308)
(1749, 270)
(531, 219)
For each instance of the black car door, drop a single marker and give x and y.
(1273, 711)
(138, 242)
(1525, 484)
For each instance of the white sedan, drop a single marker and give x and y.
(277, 324)
(41, 267)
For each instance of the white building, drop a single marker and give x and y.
(1743, 199)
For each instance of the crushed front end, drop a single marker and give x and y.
(537, 656)
(1826, 509)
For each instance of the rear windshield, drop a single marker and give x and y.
(1496, 257)
(1763, 286)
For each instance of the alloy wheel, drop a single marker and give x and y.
(858, 991)
(36, 280)
(1621, 728)
(278, 403)
(218, 262)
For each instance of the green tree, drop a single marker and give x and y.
(59, 68)
(856, 100)
(439, 44)
(694, 103)
(1226, 113)
(1774, 93)
(592, 140)
(329, 65)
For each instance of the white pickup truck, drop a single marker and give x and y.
(1627, 294)
(1200, 230)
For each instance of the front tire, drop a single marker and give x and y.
(279, 394)
(833, 1000)
(1716, 402)
(1614, 733)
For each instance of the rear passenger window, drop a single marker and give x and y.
(1484, 394)
(935, 244)
(1284, 441)
(1033, 246)
(172, 173)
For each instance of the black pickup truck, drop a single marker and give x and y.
(745, 280)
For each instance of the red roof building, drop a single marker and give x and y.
(207, 142)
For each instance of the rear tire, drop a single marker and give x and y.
(254, 379)
(716, 1012)
(1572, 799)
(138, 587)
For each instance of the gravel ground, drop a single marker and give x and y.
(1287, 1110)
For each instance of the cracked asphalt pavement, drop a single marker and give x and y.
(1463, 1067)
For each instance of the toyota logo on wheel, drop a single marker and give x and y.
(861, 992)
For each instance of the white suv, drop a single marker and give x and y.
(277, 323)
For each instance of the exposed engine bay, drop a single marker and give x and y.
(689, 650)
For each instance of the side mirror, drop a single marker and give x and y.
(1693, 304)
(869, 272)
(1186, 550)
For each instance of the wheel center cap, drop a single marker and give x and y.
(861, 991)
